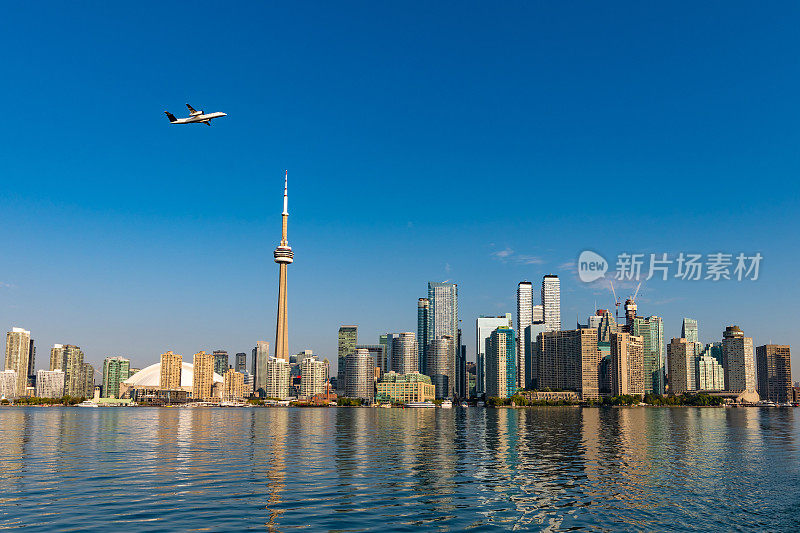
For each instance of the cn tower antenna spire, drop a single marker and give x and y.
(286, 194)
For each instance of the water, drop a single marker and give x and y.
(281, 469)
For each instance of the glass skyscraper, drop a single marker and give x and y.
(115, 371)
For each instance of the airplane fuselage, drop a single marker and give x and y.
(205, 117)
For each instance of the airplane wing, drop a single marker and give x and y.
(191, 109)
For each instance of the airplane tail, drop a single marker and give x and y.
(170, 116)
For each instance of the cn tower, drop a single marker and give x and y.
(283, 256)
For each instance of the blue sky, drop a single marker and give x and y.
(421, 140)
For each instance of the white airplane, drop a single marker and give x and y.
(194, 117)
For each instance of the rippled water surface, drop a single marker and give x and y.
(353, 469)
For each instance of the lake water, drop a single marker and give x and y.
(349, 469)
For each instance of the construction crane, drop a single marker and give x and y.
(616, 301)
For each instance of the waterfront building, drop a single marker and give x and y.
(404, 353)
(8, 384)
(569, 360)
(50, 383)
(405, 388)
(774, 370)
(202, 377)
(19, 353)
(423, 333)
(278, 378)
(651, 329)
(501, 358)
(689, 330)
(284, 257)
(74, 379)
(462, 387)
(441, 364)
(551, 396)
(524, 319)
(443, 319)
(360, 375)
(551, 302)
(260, 356)
(710, 376)
(115, 371)
(57, 357)
(87, 377)
(233, 386)
(221, 362)
(738, 361)
(171, 370)
(681, 363)
(530, 341)
(240, 364)
(248, 383)
(378, 353)
(484, 326)
(314, 375)
(626, 365)
(348, 338)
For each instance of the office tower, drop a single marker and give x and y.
(530, 342)
(50, 383)
(241, 362)
(462, 385)
(404, 353)
(681, 363)
(360, 375)
(32, 362)
(220, 362)
(18, 353)
(171, 370)
(314, 374)
(57, 357)
(524, 319)
(115, 371)
(284, 257)
(441, 363)
(74, 381)
(87, 376)
(484, 326)
(8, 384)
(737, 360)
(259, 362)
(203, 376)
(386, 341)
(501, 364)
(689, 330)
(378, 353)
(551, 302)
(709, 374)
(233, 386)
(278, 378)
(651, 329)
(773, 362)
(568, 360)
(443, 317)
(423, 338)
(627, 365)
(348, 338)
(537, 313)
(607, 326)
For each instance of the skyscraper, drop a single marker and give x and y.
(283, 256)
(441, 363)
(170, 378)
(738, 361)
(423, 339)
(221, 363)
(57, 357)
(378, 353)
(682, 366)
(279, 379)
(233, 386)
(627, 365)
(443, 317)
(348, 338)
(241, 362)
(524, 319)
(530, 342)
(689, 330)
(569, 360)
(74, 381)
(360, 375)
(259, 365)
(203, 376)
(115, 371)
(313, 374)
(404, 353)
(709, 374)
(462, 386)
(774, 365)
(551, 302)
(651, 329)
(501, 368)
(87, 377)
(484, 326)
(18, 353)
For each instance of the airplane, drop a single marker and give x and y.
(194, 117)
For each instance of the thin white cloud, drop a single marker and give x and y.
(508, 255)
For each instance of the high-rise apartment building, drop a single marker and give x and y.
(203, 376)
(709, 374)
(348, 338)
(423, 331)
(221, 362)
(240, 364)
(19, 347)
(8, 384)
(681, 363)
(484, 326)
(378, 353)
(87, 377)
(115, 371)
(74, 379)
(57, 357)
(501, 364)
(524, 319)
(233, 386)
(441, 366)
(171, 364)
(279, 378)
(551, 302)
(259, 364)
(462, 385)
(443, 317)
(360, 375)
(50, 383)
(537, 313)
(651, 329)
(774, 369)
(314, 376)
(530, 343)
(569, 360)
(627, 365)
(689, 330)
(738, 361)
(404, 353)
(387, 340)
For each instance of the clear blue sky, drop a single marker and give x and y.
(421, 139)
